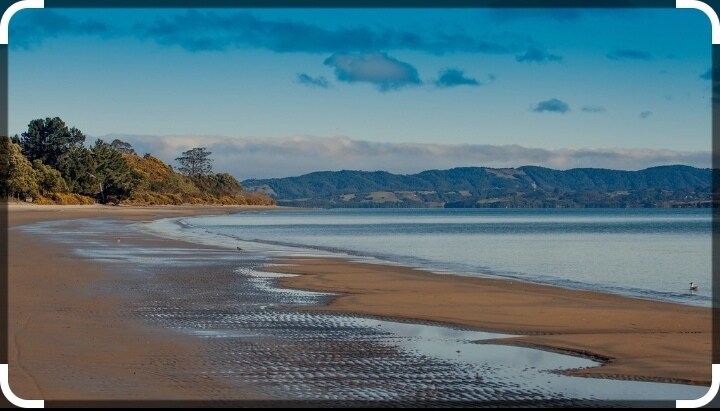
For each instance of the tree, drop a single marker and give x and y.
(122, 147)
(113, 174)
(77, 167)
(17, 176)
(195, 162)
(48, 179)
(49, 139)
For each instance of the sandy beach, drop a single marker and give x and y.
(67, 341)
(637, 339)
(70, 340)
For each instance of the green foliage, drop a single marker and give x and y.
(195, 162)
(112, 172)
(159, 184)
(77, 166)
(50, 139)
(101, 172)
(222, 184)
(158, 177)
(48, 179)
(17, 177)
(50, 164)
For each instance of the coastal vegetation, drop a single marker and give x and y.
(473, 187)
(50, 164)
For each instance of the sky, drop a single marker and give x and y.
(275, 92)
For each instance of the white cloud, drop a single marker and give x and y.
(247, 157)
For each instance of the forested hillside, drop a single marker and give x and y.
(50, 164)
(529, 186)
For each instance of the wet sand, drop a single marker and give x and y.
(79, 331)
(67, 340)
(636, 339)
(19, 214)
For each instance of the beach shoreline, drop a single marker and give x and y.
(636, 339)
(36, 298)
(53, 297)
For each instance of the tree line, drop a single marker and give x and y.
(50, 163)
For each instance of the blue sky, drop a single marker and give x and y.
(370, 89)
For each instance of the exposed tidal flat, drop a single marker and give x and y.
(215, 323)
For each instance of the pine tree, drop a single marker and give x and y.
(122, 147)
(77, 167)
(49, 139)
(195, 162)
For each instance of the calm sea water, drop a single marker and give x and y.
(647, 253)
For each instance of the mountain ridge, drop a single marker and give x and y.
(526, 186)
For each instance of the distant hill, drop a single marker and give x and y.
(528, 186)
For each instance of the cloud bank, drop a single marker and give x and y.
(384, 72)
(288, 156)
(355, 53)
(190, 31)
(453, 77)
(198, 31)
(35, 26)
